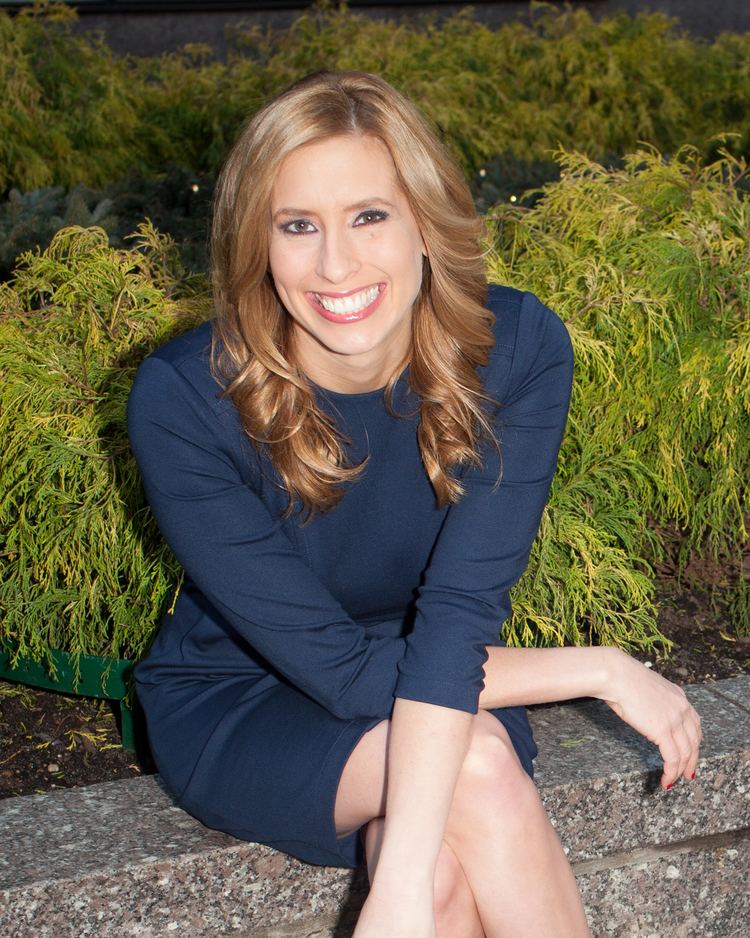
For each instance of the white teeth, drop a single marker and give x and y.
(348, 304)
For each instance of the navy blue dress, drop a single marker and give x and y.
(287, 642)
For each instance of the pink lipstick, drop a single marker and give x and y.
(352, 306)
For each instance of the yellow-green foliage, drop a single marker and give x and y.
(82, 565)
(72, 111)
(192, 107)
(69, 113)
(648, 265)
(521, 89)
(650, 268)
(525, 88)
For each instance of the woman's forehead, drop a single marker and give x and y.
(344, 170)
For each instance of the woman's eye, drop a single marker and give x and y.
(298, 226)
(371, 216)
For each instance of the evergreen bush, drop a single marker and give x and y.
(177, 202)
(69, 111)
(648, 265)
(645, 258)
(82, 565)
(30, 219)
(520, 90)
(74, 112)
(650, 268)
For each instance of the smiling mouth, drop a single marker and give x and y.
(350, 308)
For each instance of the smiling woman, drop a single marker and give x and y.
(351, 462)
(297, 191)
(348, 266)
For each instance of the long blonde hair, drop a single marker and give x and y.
(252, 356)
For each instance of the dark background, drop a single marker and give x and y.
(148, 27)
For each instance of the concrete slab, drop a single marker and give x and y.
(736, 689)
(693, 893)
(244, 889)
(120, 859)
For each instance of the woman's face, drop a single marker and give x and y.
(346, 259)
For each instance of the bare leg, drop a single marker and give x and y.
(498, 831)
(456, 913)
(512, 857)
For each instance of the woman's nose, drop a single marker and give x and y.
(337, 258)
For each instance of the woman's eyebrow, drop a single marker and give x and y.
(294, 212)
(306, 213)
(368, 203)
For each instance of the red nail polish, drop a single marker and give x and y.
(692, 776)
(670, 786)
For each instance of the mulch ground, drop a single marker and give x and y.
(50, 740)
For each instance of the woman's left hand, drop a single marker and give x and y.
(658, 710)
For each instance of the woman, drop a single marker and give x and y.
(351, 462)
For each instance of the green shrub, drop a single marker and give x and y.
(649, 266)
(645, 258)
(177, 203)
(70, 114)
(30, 219)
(524, 89)
(74, 112)
(510, 179)
(519, 89)
(82, 565)
(192, 108)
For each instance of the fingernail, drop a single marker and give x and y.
(670, 786)
(692, 776)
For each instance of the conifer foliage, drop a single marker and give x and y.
(645, 256)
(82, 565)
(72, 111)
(649, 266)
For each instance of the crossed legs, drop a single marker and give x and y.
(501, 871)
(456, 914)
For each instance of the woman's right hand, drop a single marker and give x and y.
(400, 912)
(658, 710)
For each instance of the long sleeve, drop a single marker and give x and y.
(238, 554)
(484, 544)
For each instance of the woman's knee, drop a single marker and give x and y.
(491, 766)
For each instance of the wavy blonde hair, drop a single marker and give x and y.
(252, 355)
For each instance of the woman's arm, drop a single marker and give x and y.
(521, 676)
(484, 543)
(655, 707)
(481, 552)
(236, 550)
(428, 743)
(426, 747)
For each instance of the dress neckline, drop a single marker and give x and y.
(359, 395)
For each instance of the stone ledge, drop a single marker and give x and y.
(600, 780)
(120, 859)
(694, 892)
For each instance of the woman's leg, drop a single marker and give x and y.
(512, 857)
(498, 831)
(456, 913)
